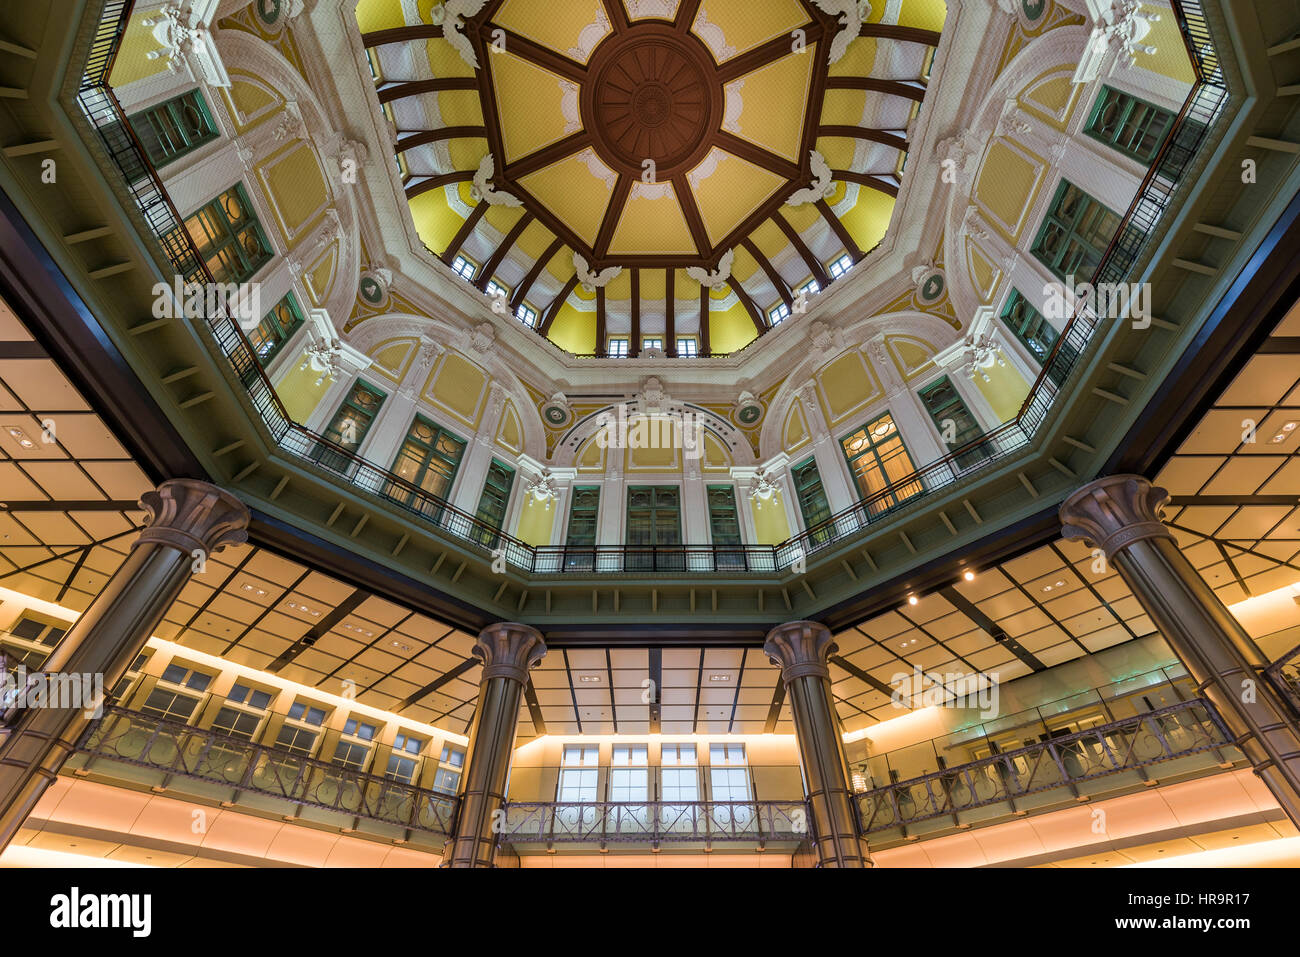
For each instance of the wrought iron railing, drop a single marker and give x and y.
(173, 747)
(1285, 675)
(1164, 734)
(655, 822)
(102, 109)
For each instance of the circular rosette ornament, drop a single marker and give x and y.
(556, 412)
(749, 410)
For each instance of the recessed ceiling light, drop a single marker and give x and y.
(401, 647)
(968, 575)
(912, 599)
(591, 678)
(719, 677)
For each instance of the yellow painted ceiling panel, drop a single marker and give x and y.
(503, 218)
(858, 60)
(727, 189)
(802, 218)
(435, 221)
(844, 107)
(838, 150)
(573, 191)
(744, 265)
(534, 240)
(731, 329)
(466, 151)
(380, 15)
(926, 14)
(1006, 182)
(531, 104)
(652, 222)
(773, 102)
(444, 60)
(460, 108)
(573, 330)
(769, 239)
(573, 28)
(730, 27)
(653, 284)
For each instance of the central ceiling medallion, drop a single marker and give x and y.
(654, 99)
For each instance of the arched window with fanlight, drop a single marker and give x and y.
(170, 130)
(229, 237)
(1075, 234)
(878, 459)
(428, 459)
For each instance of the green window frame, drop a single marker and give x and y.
(171, 129)
(348, 428)
(1075, 233)
(1037, 335)
(429, 458)
(944, 403)
(724, 518)
(276, 328)
(877, 457)
(584, 518)
(229, 237)
(814, 506)
(494, 502)
(1132, 126)
(654, 520)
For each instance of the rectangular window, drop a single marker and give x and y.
(165, 703)
(652, 342)
(428, 459)
(404, 760)
(229, 237)
(679, 775)
(618, 347)
(275, 329)
(39, 632)
(956, 425)
(654, 519)
(724, 523)
(183, 675)
(813, 504)
(840, 266)
(810, 288)
(496, 290)
(494, 502)
(1132, 126)
(170, 130)
(687, 346)
(527, 315)
(877, 458)
(1037, 335)
(579, 775)
(778, 313)
(349, 426)
(1075, 234)
(728, 773)
(584, 514)
(464, 268)
(236, 723)
(629, 774)
(450, 765)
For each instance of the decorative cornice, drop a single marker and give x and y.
(509, 650)
(1114, 512)
(191, 516)
(800, 648)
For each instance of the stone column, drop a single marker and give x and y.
(508, 652)
(801, 648)
(187, 521)
(1120, 515)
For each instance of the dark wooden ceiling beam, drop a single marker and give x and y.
(773, 276)
(694, 221)
(613, 213)
(418, 31)
(617, 14)
(839, 229)
(439, 181)
(409, 140)
(600, 321)
(887, 137)
(912, 89)
(890, 31)
(400, 90)
(814, 264)
(522, 290)
(758, 156)
(705, 345)
(574, 143)
(670, 312)
(553, 309)
(634, 343)
(534, 53)
(462, 234)
(687, 11)
(769, 52)
(871, 180)
(493, 263)
(748, 302)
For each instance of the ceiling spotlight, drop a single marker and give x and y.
(912, 599)
(399, 646)
(19, 436)
(719, 677)
(968, 575)
(590, 678)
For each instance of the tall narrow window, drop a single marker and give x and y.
(617, 347)
(680, 777)
(301, 728)
(579, 775)
(428, 459)
(813, 503)
(724, 527)
(275, 329)
(465, 268)
(1038, 336)
(1075, 234)
(404, 761)
(353, 749)
(243, 712)
(450, 766)
(584, 514)
(170, 130)
(654, 522)
(349, 426)
(878, 460)
(956, 425)
(229, 237)
(729, 787)
(494, 501)
(1132, 126)
(629, 775)
(688, 346)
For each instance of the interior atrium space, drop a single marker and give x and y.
(647, 434)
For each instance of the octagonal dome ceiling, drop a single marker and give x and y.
(650, 169)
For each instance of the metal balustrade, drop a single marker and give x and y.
(655, 822)
(1285, 675)
(1164, 734)
(1202, 108)
(161, 744)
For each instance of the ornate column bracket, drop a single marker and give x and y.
(1114, 512)
(800, 648)
(509, 650)
(190, 515)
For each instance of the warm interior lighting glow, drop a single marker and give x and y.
(1282, 852)
(912, 599)
(968, 575)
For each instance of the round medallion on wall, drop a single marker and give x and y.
(748, 410)
(373, 290)
(556, 413)
(930, 288)
(1033, 8)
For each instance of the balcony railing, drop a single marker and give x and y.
(655, 822)
(1201, 109)
(1285, 675)
(173, 747)
(1165, 734)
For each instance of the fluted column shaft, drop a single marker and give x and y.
(802, 648)
(508, 652)
(1120, 515)
(187, 521)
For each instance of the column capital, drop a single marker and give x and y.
(509, 650)
(1114, 512)
(191, 515)
(800, 648)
